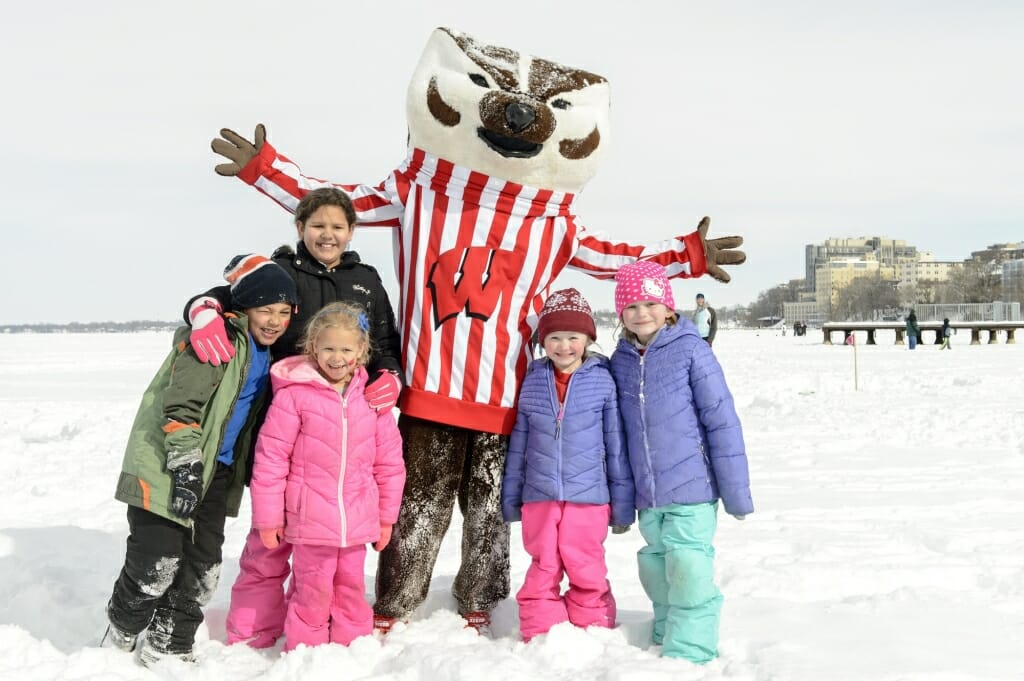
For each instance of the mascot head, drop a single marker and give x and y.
(506, 114)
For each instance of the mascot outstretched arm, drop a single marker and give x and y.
(482, 208)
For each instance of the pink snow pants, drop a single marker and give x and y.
(565, 537)
(329, 601)
(257, 610)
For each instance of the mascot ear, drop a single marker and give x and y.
(237, 149)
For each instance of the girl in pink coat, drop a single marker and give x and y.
(328, 477)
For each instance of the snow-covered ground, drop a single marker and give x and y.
(888, 541)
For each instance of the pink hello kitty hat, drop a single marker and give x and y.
(643, 280)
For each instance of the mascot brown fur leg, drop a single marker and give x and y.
(445, 463)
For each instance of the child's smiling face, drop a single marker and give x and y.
(645, 318)
(337, 353)
(565, 349)
(268, 322)
(326, 234)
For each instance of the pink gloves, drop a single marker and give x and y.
(209, 338)
(272, 538)
(383, 393)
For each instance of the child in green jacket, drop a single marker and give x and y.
(185, 465)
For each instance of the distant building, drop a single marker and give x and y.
(1012, 275)
(831, 265)
(835, 275)
(926, 273)
(999, 253)
(883, 250)
(804, 311)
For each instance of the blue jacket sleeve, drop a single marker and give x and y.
(620, 475)
(515, 471)
(717, 414)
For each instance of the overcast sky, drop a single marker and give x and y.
(786, 122)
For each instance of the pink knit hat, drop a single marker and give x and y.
(566, 310)
(642, 280)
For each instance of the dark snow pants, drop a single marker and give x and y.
(170, 571)
(443, 464)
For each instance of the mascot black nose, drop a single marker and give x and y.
(519, 116)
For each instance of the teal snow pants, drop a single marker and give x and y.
(677, 572)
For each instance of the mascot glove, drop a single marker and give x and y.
(271, 538)
(382, 394)
(209, 338)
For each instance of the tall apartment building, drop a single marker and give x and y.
(926, 272)
(886, 252)
(835, 275)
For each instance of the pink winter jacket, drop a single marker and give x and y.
(328, 468)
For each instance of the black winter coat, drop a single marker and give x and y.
(351, 282)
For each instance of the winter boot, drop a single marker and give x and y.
(383, 623)
(115, 637)
(149, 655)
(481, 621)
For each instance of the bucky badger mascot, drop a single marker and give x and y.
(483, 214)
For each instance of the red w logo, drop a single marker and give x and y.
(471, 280)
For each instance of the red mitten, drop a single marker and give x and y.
(209, 338)
(383, 393)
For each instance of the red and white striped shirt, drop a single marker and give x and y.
(474, 256)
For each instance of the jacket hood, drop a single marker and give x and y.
(302, 369)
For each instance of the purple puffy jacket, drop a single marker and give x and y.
(576, 453)
(684, 438)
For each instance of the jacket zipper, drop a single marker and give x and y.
(208, 475)
(341, 472)
(707, 462)
(560, 406)
(643, 425)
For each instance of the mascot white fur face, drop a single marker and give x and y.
(507, 114)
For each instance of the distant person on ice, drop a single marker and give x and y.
(567, 475)
(705, 319)
(185, 465)
(913, 330)
(946, 333)
(686, 449)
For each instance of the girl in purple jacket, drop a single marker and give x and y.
(566, 474)
(328, 477)
(687, 453)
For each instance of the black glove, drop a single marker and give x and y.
(620, 529)
(188, 489)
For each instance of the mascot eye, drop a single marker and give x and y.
(561, 104)
(478, 79)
